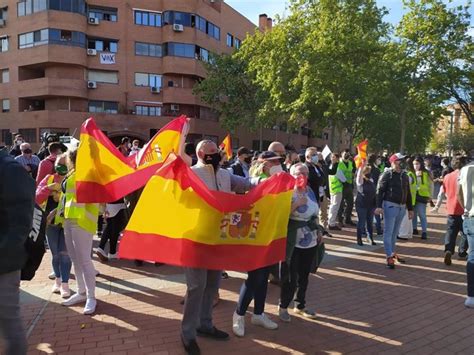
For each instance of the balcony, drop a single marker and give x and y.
(52, 54)
(187, 66)
(176, 95)
(47, 87)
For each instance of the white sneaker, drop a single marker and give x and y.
(102, 255)
(469, 303)
(91, 303)
(284, 315)
(238, 325)
(434, 210)
(56, 286)
(74, 299)
(263, 321)
(52, 276)
(65, 292)
(113, 256)
(307, 313)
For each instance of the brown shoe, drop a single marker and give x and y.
(391, 262)
(398, 259)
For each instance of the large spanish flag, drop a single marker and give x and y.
(103, 174)
(226, 146)
(361, 153)
(179, 221)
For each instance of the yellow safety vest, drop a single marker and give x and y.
(347, 170)
(413, 187)
(335, 185)
(424, 187)
(85, 214)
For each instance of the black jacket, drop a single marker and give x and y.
(17, 197)
(394, 187)
(238, 169)
(315, 179)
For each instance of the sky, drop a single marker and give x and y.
(252, 8)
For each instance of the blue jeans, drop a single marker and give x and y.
(453, 228)
(468, 226)
(255, 287)
(393, 216)
(61, 260)
(378, 223)
(420, 210)
(365, 218)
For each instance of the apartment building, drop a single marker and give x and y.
(130, 64)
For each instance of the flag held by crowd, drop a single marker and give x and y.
(179, 221)
(361, 156)
(103, 174)
(226, 146)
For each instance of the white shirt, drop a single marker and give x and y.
(466, 180)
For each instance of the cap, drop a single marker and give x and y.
(395, 157)
(243, 150)
(269, 156)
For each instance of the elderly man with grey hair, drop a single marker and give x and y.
(202, 285)
(28, 160)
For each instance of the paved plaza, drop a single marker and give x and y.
(363, 308)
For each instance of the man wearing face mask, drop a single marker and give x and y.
(15, 149)
(347, 203)
(242, 165)
(47, 164)
(280, 150)
(315, 177)
(393, 197)
(135, 147)
(29, 161)
(203, 285)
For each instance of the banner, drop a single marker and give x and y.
(179, 221)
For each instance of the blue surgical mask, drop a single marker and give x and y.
(314, 159)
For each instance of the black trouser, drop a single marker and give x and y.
(114, 226)
(295, 276)
(347, 203)
(100, 224)
(452, 231)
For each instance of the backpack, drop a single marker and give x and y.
(35, 244)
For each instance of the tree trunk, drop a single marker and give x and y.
(403, 129)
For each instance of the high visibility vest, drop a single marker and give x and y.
(335, 185)
(85, 214)
(424, 186)
(347, 170)
(413, 187)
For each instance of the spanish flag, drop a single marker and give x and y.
(226, 146)
(361, 153)
(103, 174)
(179, 221)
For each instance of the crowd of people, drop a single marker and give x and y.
(390, 192)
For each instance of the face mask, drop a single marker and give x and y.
(19, 141)
(275, 170)
(61, 169)
(314, 159)
(27, 151)
(301, 181)
(213, 159)
(248, 160)
(135, 147)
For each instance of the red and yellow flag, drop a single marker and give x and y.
(361, 153)
(226, 146)
(179, 221)
(103, 174)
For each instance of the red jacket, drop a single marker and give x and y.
(450, 186)
(46, 167)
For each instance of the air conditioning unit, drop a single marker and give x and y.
(155, 89)
(174, 107)
(2, 23)
(91, 52)
(178, 27)
(92, 84)
(93, 21)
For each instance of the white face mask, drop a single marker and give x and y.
(275, 170)
(314, 159)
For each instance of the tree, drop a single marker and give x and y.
(436, 37)
(230, 91)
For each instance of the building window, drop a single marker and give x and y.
(28, 7)
(103, 107)
(3, 44)
(29, 134)
(181, 50)
(237, 42)
(147, 110)
(51, 36)
(59, 131)
(148, 49)
(213, 31)
(4, 76)
(3, 13)
(102, 45)
(147, 79)
(181, 18)
(103, 13)
(203, 55)
(230, 40)
(6, 105)
(147, 18)
(103, 76)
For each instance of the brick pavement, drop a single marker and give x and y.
(363, 308)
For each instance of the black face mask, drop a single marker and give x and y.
(213, 159)
(248, 160)
(27, 151)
